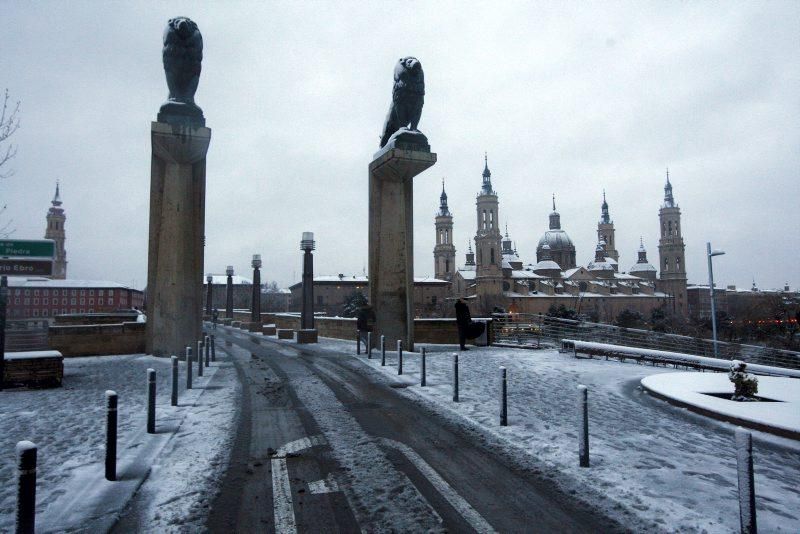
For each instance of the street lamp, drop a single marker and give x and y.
(711, 253)
(307, 316)
(229, 295)
(209, 281)
(255, 309)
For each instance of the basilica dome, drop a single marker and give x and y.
(561, 249)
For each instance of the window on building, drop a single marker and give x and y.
(45, 301)
(582, 287)
(666, 264)
(46, 292)
(447, 266)
(99, 302)
(27, 302)
(55, 292)
(45, 313)
(36, 313)
(74, 292)
(491, 255)
(91, 292)
(678, 265)
(433, 300)
(35, 292)
(73, 302)
(73, 310)
(83, 301)
(111, 292)
(27, 292)
(35, 301)
(83, 292)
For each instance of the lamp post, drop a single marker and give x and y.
(229, 295)
(209, 282)
(711, 253)
(255, 308)
(307, 245)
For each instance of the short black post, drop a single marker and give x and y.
(369, 345)
(455, 377)
(111, 435)
(213, 349)
(208, 350)
(200, 358)
(188, 367)
(747, 492)
(3, 307)
(423, 371)
(399, 356)
(151, 401)
(174, 398)
(583, 425)
(26, 487)
(503, 397)
(383, 350)
(358, 342)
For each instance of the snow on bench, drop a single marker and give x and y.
(621, 351)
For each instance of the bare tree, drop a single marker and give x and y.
(9, 123)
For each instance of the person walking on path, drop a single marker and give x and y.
(463, 319)
(364, 321)
(215, 318)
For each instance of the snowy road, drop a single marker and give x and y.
(325, 445)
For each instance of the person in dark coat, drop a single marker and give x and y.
(215, 317)
(364, 321)
(463, 320)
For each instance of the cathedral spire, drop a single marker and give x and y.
(555, 218)
(487, 175)
(605, 218)
(669, 201)
(57, 198)
(443, 209)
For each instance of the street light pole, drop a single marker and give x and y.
(229, 293)
(209, 287)
(710, 255)
(255, 308)
(307, 316)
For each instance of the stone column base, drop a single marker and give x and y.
(307, 336)
(268, 330)
(285, 333)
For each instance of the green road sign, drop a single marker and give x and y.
(27, 248)
(22, 267)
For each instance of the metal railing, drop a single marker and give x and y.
(531, 330)
(26, 335)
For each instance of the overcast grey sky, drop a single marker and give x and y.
(567, 98)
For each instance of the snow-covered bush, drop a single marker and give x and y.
(745, 385)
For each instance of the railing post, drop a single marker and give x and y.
(422, 381)
(199, 358)
(111, 435)
(213, 349)
(26, 487)
(383, 350)
(747, 493)
(503, 398)
(369, 345)
(151, 401)
(188, 367)
(174, 396)
(583, 426)
(399, 356)
(455, 377)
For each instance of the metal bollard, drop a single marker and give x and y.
(383, 350)
(503, 397)
(188, 367)
(151, 401)
(399, 356)
(213, 349)
(199, 358)
(369, 345)
(747, 492)
(111, 435)
(422, 372)
(174, 398)
(455, 377)
(26, 487)
(583, 425)
(358, 342)
(208, 351)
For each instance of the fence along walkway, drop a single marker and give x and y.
(26, 335)
(530, 330)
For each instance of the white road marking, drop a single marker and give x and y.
(283, 509)
(326, 485)
(469, 513)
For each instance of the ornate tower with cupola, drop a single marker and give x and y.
(444, 253)
(488, 251)
(605, 232)
(55, 231)
(672, 253)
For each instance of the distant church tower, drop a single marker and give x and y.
(444, 253)
(489, 274)
(55, 231)
(671, 252)
(605, 232)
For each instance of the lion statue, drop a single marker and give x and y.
(182, 55)
(408, 96)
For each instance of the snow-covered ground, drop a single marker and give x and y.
(692, 389)
(667, 466)
(184, 459)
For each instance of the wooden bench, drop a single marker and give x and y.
(39, 369)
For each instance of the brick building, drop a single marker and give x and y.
(35, 297)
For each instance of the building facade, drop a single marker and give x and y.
(43, 298)
(55, 231)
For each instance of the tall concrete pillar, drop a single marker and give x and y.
(229, 293)
(209, 287)
(307, 314)
(255, 305)
(177, 224)
(391, 237)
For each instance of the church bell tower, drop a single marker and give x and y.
(671, 253)
(55, 231)
(605, 232)
(444, 253)
(489, 273)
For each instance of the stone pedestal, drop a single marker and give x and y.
(177, 228)
(391, 238)
(268, 329)
(285, 333)
(307, 335)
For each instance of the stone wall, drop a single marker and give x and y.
(98, 340)
(96, 318)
